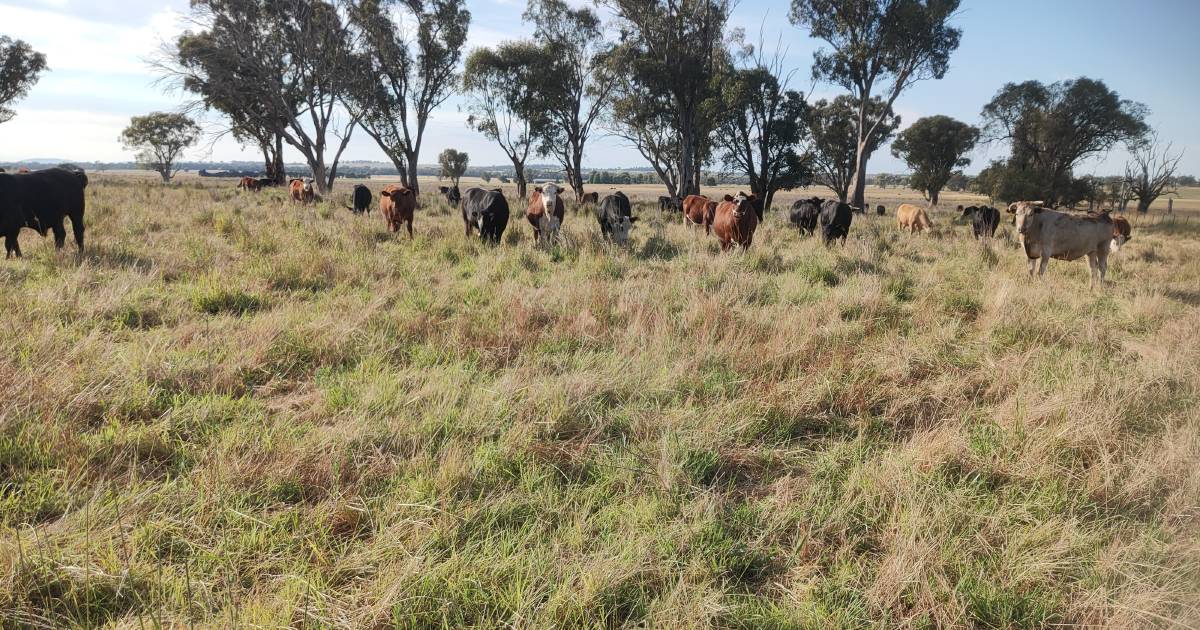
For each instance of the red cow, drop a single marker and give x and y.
(735, 221)
(249, 183)
(302, 190)
(398, 204)
(546, 212)
(698, 210)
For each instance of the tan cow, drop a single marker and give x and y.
(398, 204)
(912, 218)
(1047, 234)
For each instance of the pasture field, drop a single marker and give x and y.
(235, 412)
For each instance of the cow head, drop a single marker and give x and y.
(1121, 233)
(1023, 212)
(621, 229)
(968, 211)
(550, 193)
(743, 203)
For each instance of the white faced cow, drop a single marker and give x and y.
(546, 212)
(1047, 234)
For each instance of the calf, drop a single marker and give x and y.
(698, 210)
(669, 203)
(1121, 233)
(397, 204)
(735, 220)
(546, 212)
(302, 190)
(984, 220)
(486, 211)
(41, 201)
(361, 199)
(1047, 234)
(835, 221)
(880, 210)
(590, 199)
(615, 216)
(249, 183)
(912, 218)
(451, 193)
(804, 215)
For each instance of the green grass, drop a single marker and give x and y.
(240, 413)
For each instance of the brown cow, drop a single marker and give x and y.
(249, 183)
(698, 210)
(546, 212)
(398, 204)
(591, 198)
(302, 190)
(912, 218)
(735, 220)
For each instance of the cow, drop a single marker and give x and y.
(699, 210)
(880, 210)
(984, 220)
(302, 190)
(1047, 234)
(734, 221)
(2, 170)
(1121, 233)
(451, 193)
(486, 211)
(251, 184)
(804, 215)
(912, 218)
(835, 220)
(360, 200)
(264, 182)
(615, 216)
(669, 203)
(546, 212)
(590, 199)
(41, 201)
(397, 204)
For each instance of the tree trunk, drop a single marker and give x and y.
(318, 174)
(165, 174)
(933, 198)
(1144, 205)
(687, 177)
(410, 177)
(279, 174)
(519, 177)
(858, 181)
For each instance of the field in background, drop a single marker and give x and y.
(236, 412)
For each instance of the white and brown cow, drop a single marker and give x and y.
(1047, 234)
(546, 212)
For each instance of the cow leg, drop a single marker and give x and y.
(60, 234)
(1103, 260)
(410, 234)
(77, 228)
(1045, 261)
(1093, 267)
(1032, 266)
(11, 246)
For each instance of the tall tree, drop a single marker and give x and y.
(20, 68)
(398, 82)
(646, 121)
(452, 165)
(935, 148)
(1052, 128)
(569, 84)
(499, 84)
(833, 147)
(160, 138)
(673, 50)
(877, 47)
(281, 66)
(1150, 172)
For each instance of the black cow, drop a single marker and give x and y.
(486, 211)
(362, 200)
(615, 216)
(41, 200)
(451, 193)
(880, 210)
(984, 220)
(265, 182)
(804, 214)
(670, 203)
(835, 221)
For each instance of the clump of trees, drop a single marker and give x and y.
(501, 97)
(20, 68)
(935, 148)
(833, 145)
(160, 139)
(453, 164)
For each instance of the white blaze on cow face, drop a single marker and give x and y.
(742, 200)
(1024, 211)
(550, 193)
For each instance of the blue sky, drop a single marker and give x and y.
(99, 76)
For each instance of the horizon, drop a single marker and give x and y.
(102, 52)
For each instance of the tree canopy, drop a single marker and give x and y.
(499, 85)
(833, 141)
(453, 164)
(160, 139)
(20, 68)
(935, 148)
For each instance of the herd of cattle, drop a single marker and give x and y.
(42, 200)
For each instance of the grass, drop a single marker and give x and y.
(238, 413)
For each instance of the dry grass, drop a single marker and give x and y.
(234, 412)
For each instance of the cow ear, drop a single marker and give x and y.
(1012, 208)
(728, 197)
(537, 189)
(384, 193)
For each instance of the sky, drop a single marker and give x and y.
(100, 74)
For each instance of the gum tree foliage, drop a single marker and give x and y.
(499, 86)
(935, 149)
(278, 69)
(453, 165)
(160, 139)
(1052, 128)
(401, 76)
(877, 47)
(20, 68)
(1150, 171)
(568, 81)
(670, 52)
(833, 139)
(760, 131)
